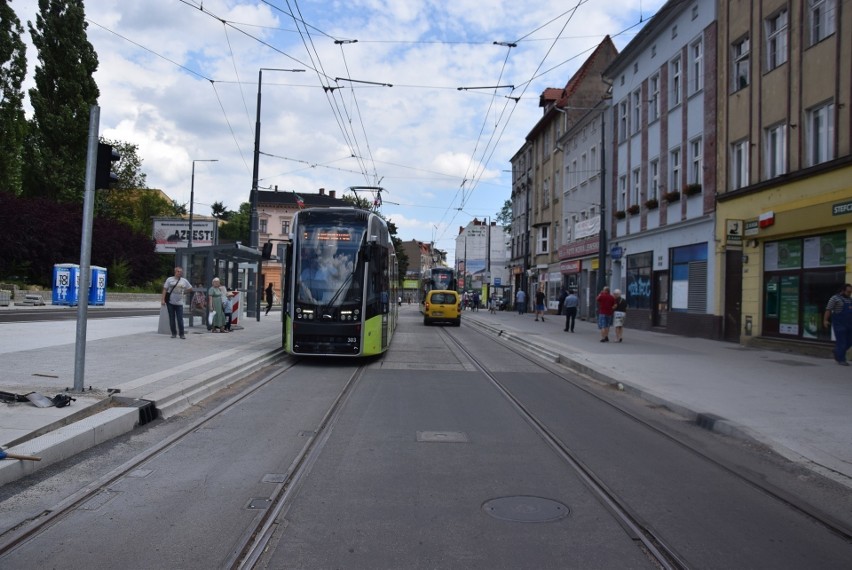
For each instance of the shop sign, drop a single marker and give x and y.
(752, 227)
(579, 248)
(569, 267)
(841, 208)
(616, 252)
(734, 232)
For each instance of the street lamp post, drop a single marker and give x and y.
(253, 241)
(253, 301)
(192, 196)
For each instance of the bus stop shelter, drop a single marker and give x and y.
(237, 267)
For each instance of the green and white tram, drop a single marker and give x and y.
(340, 284)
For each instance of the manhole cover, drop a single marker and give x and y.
(442, 436)
(525, 509)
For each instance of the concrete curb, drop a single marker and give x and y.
(710, 422)
(87, 432)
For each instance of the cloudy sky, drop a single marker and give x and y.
(378, 103)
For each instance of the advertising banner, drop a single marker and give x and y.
(173, 233)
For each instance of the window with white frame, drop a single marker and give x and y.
(262, 228)
(674, 170)
(545, 192)
(819, 133)
(654, 110)
(776, 39)
(622, 192)
(593, 161)
(622, 120)
(674, 67)
(543, 239)
(739, 61)
(775, 150)
(654, 179)
(285, 227)
(821, 19)
(592, 211)
(696, 172)
(696, 81)
(739, 164)
(636, 186)
(637, 112)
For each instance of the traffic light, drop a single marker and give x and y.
(104, 176)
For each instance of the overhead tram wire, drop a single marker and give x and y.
(485, 162)
(188, 70)
(325, 81)
(239, 82)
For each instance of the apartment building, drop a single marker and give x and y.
(663, 171)
(784, 124)
(583, 105)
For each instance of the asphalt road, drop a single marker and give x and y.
(428, 465)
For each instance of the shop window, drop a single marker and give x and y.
(800, 275)
(689, 278)
(639, 280)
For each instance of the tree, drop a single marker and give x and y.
(504, 216)
(64, 91)
(37, 234)
(13, 122)
(237, 227)
(220, 212)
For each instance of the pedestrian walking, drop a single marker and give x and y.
(619, 314)
(606, 306)
(475, 301)
(270, 296)
(217, 310)
(521, 301)
(569, 306)
(838, 313)
(174, 290)
(539, 304)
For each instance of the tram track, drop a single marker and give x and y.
(640, 532)
(632, 522)
(250, 545)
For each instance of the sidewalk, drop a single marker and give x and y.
(127, 365)
(797, 405)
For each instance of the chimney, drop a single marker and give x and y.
(332, 193)
(322, 191)
(276, 187)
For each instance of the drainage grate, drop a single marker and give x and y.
(526, 509)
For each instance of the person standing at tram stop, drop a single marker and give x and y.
(606, 306)
(569, 307)
(539, 304)
(214, 300)
(619, 314)
(521, 301)
(270, 296)
(838, 315)
(174, 290)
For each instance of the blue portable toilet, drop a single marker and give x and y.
(97, 286)
(66, 283)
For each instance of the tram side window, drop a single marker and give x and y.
(377, 293)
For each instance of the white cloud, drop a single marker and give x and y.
(422, 137)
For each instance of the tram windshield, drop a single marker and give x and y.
(329, 271)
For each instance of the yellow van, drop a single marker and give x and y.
(442, 306)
